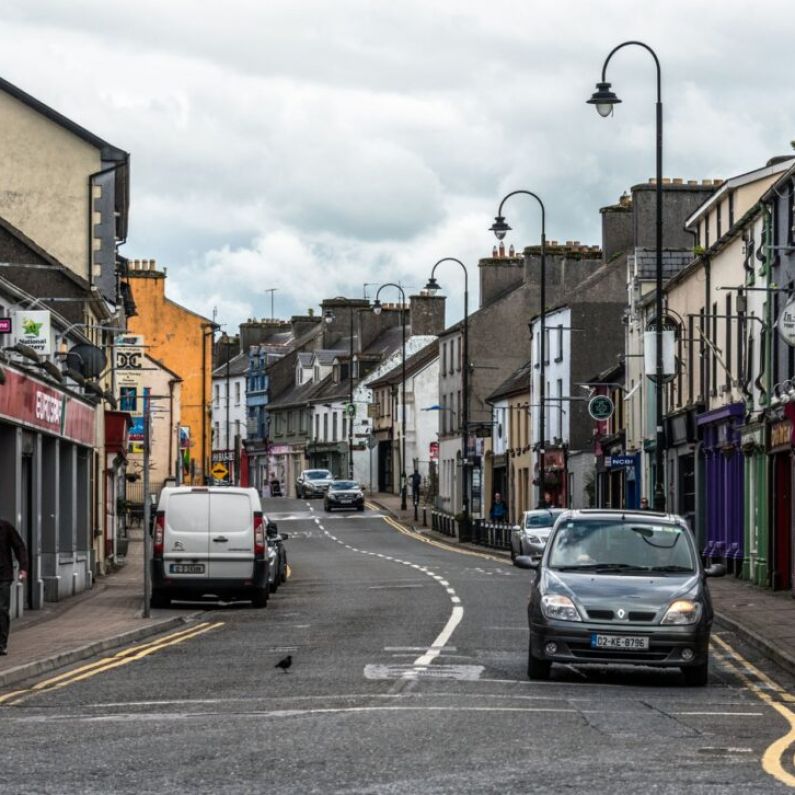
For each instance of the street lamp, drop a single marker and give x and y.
(605, 100)
(328, 318)
(432, 287)
(377, 310)
(500, 228)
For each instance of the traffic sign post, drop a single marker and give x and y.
(219, 471)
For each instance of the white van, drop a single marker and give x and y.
(209, 540)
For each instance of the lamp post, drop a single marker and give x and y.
(226, 451)
(500, 227)
(212, 328)
(328, 318)
(377, 309)
(432, 286)
(605, 100)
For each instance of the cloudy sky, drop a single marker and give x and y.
(313, 146)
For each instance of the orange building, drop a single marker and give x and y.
(182, 340)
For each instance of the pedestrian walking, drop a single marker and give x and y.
(499, 510)
(416, 482)
(10, 541)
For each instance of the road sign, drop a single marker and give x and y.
(601, 407)
(219, 471)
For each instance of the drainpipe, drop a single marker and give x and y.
(171, 458)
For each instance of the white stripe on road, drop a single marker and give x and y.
(441, 640)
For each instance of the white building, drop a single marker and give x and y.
(229, 414)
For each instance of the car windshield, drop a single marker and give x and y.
(318, 474)
(540, 519)
(344, 485)
(622, 546)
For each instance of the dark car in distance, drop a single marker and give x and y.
(345, 494)
(620, 587)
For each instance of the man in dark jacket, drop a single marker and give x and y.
(9, 542)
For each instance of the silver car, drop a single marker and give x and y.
(313, 483)
(531, 536)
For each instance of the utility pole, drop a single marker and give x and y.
(147, 509)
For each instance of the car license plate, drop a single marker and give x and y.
(187, 568)
(619, 642)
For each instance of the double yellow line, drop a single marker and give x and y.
(125, 656)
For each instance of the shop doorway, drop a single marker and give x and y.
(385, 466)
(782, 515)
(26, 529)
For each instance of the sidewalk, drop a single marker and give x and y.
(762, 618)
(107, 616)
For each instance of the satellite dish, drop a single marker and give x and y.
(88, 360)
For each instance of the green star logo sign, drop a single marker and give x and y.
(601, 408)
(350, 409)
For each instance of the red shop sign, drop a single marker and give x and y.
(32, 403)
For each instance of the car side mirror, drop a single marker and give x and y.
(526, 562)
(715, 570)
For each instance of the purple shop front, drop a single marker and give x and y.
(723, 486)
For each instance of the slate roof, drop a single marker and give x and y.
(414, 364)
(518, 381)
(238, 365)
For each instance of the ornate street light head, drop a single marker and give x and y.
(377, 307)
(432, 286)
(604, 99)
(500, 228)
(328, 317)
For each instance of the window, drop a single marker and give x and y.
(129, 399)
(458, 354)
(444, 358)
(714, 352)
(731, 209)
(344, 427)
(317, 427)
(559, 357)
(334, 427)
(217, 395)
(706, 230)
(718, 220)
(728, 349)
(217, 434)
(237, 393)
(237, 429)
(325, 427)
(560, 408)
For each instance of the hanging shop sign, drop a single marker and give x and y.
(601, 408)
(619, 461)
(33, 329)
(781, 435)
(786, 323)
(6, 325)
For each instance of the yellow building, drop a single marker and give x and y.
(182, 341)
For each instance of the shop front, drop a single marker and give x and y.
(329, 455)
(555, 483)
(47, 441)
(756, 566)
(780, 498)
(682, 436)
(117, 426)
(723, 485)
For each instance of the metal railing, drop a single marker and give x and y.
(482, 532)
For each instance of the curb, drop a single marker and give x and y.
(771, 651)
(31, 669)
(452, 543)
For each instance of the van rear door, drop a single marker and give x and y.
(231, 535)
(186, 537)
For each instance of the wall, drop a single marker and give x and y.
(45, 182)
(176, 338)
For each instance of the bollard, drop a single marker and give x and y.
(424, 520)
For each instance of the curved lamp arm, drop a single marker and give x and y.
(645, 47)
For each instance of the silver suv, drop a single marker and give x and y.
(313, 483)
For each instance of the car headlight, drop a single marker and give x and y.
(559, 607)
(531, 539)
(682, 611)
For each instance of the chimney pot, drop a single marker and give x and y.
(678, 181)
(666, 180)
(692, 182)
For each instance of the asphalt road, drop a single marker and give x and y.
(408, 676)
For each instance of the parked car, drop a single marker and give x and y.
(345, 494)
(531, 536)
(279, 561)
(313, 483)
(620, 587)
(209, 540)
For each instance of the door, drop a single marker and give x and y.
(186, 539)
(782, 507)
(26, 531)
(231, 536)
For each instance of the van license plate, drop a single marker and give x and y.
(619, 642)
(187, 568)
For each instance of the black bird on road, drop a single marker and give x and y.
(285, 663)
